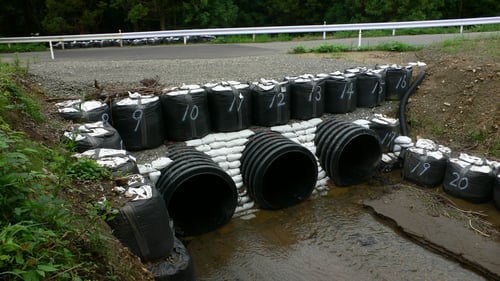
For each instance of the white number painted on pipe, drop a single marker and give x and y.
(231, 107)
(459, 182)
(281, 100)
(193, 113)
(425, 167)
(389, 137)
(348, 89)
(401, 82)
(376, 87)
(317, 96)
(137, 116)
(105, 117)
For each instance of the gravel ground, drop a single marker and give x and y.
(74, 78)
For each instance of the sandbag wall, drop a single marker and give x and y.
(431, 165)
(203, 114)
(194, 111)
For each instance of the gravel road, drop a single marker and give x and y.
(73, 72)
(64, 77)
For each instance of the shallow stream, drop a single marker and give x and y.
(329, 237)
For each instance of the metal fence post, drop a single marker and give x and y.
(324, 32)
(359, 38)
(51, 50)
(461, 29)
(393, 32)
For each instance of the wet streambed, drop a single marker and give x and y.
(329, 237)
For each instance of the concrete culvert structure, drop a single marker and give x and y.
(349, 153)
(278, 172)
(200, 196)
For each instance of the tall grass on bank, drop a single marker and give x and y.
(40, 238)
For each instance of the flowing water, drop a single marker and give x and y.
(328, 237)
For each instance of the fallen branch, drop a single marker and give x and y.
(477, 230)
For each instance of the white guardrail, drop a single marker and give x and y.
(255, 30)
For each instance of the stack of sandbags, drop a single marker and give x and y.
(425, 163)
(93, 135)
(83, 111)
(225, 149)
(303, 133)
(470, 178)
(118, 161)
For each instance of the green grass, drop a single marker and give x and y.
(12, 95)
(477, 135)
(20, 48)
(392, 46)
(495, 147)
(471, 45)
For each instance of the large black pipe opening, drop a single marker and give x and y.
(278, 172)
(348, 153)
(358, 159)
(200, 196)
(202, 203)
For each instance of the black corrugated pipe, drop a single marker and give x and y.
(404, 101)
(200, 196)
(277, 172)
(348, 153)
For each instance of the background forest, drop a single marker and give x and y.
(50, 17)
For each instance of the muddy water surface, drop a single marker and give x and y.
(330, 237)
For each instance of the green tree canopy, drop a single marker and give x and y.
(22, 17)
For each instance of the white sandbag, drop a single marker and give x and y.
(234, 164)
(203, 148)
(282, 128)
(145, 168)
(237, 142)
(233, 157)
(195, 142)
(161, 163)
(220, 158)
(289, 135)
(217, 144)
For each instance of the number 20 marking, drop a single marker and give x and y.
(459, 182)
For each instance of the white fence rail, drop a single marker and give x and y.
(256, 30)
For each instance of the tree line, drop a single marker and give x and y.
(51, 17)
